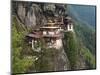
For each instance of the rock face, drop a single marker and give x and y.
(64, 56)
(62, 62)
(30, 19)
(30, 14)
(33, 15)
(21, 12)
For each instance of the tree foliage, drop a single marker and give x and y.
(87, 38)
(20, 63)
(87, 35)
(89, 58)
(46, 60)
(71, 48)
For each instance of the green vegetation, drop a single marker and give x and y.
(71, 49)
(23, 57)
(77, 45)
(89, 58)
(46, 60)
(85, 32)
(75, 48)
(20, 61)
(86, 35)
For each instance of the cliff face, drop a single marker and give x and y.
(30, 16)
(36, 14)
(33, 15)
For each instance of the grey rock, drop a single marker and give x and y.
(21, 12)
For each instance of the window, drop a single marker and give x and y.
(69, 26)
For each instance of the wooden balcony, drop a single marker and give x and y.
(49, 27)
(52, 36)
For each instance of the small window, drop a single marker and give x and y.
(70, 26)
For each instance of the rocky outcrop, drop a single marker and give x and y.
(36, 14)
(30, 14)
(62, 62)
(21, 11)
(33, 15)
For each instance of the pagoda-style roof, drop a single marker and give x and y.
(33, 36)
(45, 36)
(52, 36)
(49, 27)
(50, 23)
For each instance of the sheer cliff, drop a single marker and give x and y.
(73, 55)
